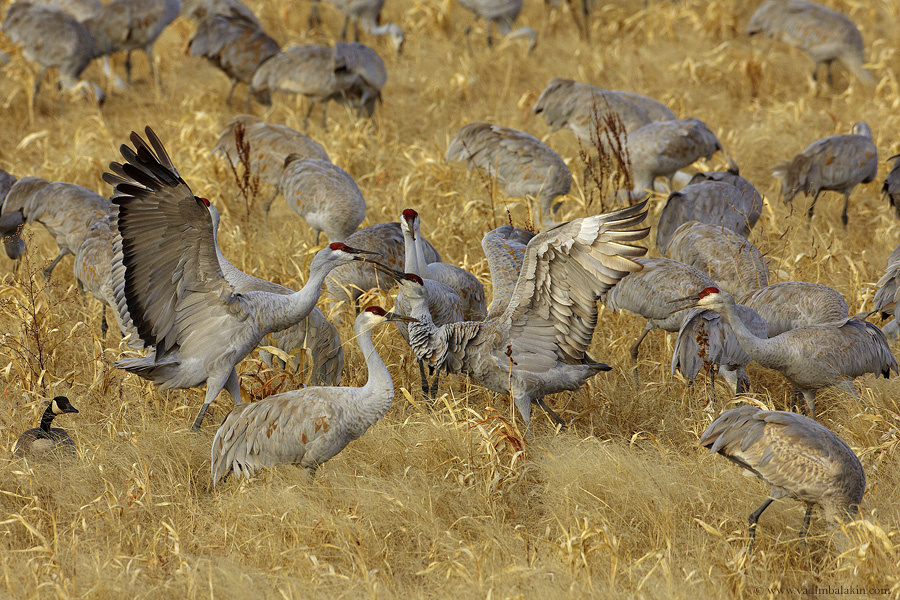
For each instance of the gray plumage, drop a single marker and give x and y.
(348, 282)
(649, 293)
(525, 166)
(237, 46)
(324, 195)
(367, 13)
(201, 9)
(752, 198)
(824, 34)
(128, 25)
(538, 345)
(706, 342)
(307, 426)
(886, 294)
(791, 304)
(351, 74)
(729, 259)
(661, 148)
(836, 163)
(714, 203)
(890, 189)
(80, 9)
(66, 210)
(52, 39)
(175, 291)
(798, 457)
(45, 441)
(656, 110)
(10, 224)
(506, 247)
(503, 13)
(811, 357)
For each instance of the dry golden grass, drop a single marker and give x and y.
(438, 504)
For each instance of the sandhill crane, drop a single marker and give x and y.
(506, 246)
(10, 224)
(656, 110)
(661, 148)
(237, 46)
(791, 304)
(348, 282)
(585, 110)
(714, 203)
(127, 25)
(890, 189)
(524, 165)
(66, 210)
(308, 426)
(538, 344)
(45, 441)
(502, 12)
(706, 342)
(201, 9)
(824, 34)
(733, 177)
(368, 14)
(797, 456)
(650, 291)
(470, 290)
(324, 195)
(811, 357)
(837, 163)
(52, 39)
(175, 290)
(351, 74)
(731, 260)
(265, 146)
(886, 295)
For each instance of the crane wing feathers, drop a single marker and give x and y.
(504, 248)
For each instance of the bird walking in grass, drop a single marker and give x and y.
(308, 426)
(826, 35)
(45, 441)
(177, 289)
(798, 457)
(836, 163)
(811, 357)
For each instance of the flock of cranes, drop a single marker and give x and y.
(150, 252)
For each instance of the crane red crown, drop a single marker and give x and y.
(338, 246)
(707, 291)
(376, 310)
(203, 200)
(409, 214)
(414, 277)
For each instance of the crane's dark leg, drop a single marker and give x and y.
(434, 384)
(468, 36)
(128, 66)
(830, 78)
(308, 113)
(809, 213)
(153, 74)
(104, 326)
(754, 518)
(324, 115)
(556, 418)
(37, 85)
(634, 351)
(355, 30)
(231, 92)
(844, 218)
(490, 40)
(586, 19)
(268, 205)
(49, 270)
(344, 30)
(314, 20)
(318, 233)
(231, 384)
(424, 378)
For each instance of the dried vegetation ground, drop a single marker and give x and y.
(622, 504)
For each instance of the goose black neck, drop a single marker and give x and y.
(47, 418)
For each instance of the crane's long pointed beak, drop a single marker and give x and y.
(688, 302)
(395, 317)
(393, 274)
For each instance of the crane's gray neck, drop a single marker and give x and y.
(374, 397)
(410, 260)
(47, 418)
(422, 265)
(298, 305)
(757, 348)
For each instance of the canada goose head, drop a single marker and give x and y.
(60, 405)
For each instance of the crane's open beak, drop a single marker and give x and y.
(395, 317)
(393, 274)
(687, 302)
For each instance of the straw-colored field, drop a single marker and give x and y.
(441, 503)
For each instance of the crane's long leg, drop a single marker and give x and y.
(844, 218)
(490, 40)
(149, 52)
(344, 30)
(434, 384)
(49, 270)
(754, 518)
(231, 92)
(37, 85)
(355, 29)
(104, 326)
(268, 205)
(830, 77)
(810, 397)
(424, 378)
(231, 383)
(313, 19)
(128, 66)
(556, 418)
(809, 213)
(468, 32)
(634, 350)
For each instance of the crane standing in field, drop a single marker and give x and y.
(310, 425)
(237, 46)
(824, 34)
(810, 357)
(797, 456)
(52, 39)
(368, 14)
(502, 12)
(175, 289)
(890, 189)
(524, 165)
(324, 195)
(791, 304)
(838, 163)
(66, 210)
(538, 344)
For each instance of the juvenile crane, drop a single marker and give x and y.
(731, 260)
(237, 46)
(890, 189)
(824, 34)
(45, 441)
(538, 344)
(66, 210)
(797, 456)
(836, 163)
(54, 40)
(503, 13)
(324, 195)
(525, 166)
(791, 304)
(175, 291)
(307, 426)
(810, 357)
